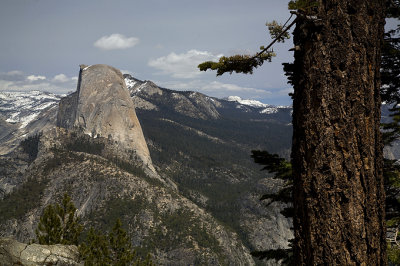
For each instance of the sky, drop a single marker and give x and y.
(43, 42)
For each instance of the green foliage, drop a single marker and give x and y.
(390, 70)
(208, 167)
(391, 176)
(393, 253)
(120, 246)
(116, 208)
(61, 157)
(21, 200)
(30, 146)
(281, 169)
(59, 224)
(277, 32)
(95, 250)
(237, 63)
(273, 164)
(247, 63)
(282, 255)
(390, 93)
(113, 248)
(179, 228)
(84, 143)
(136, 170)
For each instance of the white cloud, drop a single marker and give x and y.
(35, 78)
(19, 81)
(116, 41)
(24, 86)
(182, 65)
(61, 78)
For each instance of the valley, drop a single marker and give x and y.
(203, 196)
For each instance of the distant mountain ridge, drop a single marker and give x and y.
(94, 150)
(199, 142)
(148, 96)
(21, 108)
(265, 108)
(24, 107)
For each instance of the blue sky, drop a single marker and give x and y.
(44, 41)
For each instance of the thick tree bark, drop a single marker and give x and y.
(337, 151)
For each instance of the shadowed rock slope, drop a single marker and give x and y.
(98, 155)
(158, 219)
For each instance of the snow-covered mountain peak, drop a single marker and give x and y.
(24, 107)
(253, 103)
(265, 108)
(130, 83)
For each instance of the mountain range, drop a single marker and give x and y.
(202, 205)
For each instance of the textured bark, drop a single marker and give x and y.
(337, 150)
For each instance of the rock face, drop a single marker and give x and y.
(13, 252)
(102, 106)
(149, 96)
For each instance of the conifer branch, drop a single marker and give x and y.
(245, 63)
(279, 36)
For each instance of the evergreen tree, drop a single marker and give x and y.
(390, 93)
(59, 224)
(30, 146)
(95, 250)
(114, 248)
(120, 245)
(281, 169)
(337, 149)
(390, 72)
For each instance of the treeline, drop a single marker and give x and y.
(59, 224)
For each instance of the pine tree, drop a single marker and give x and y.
(114, 248)
(120, 246)
(390, 71)
(95, 250)
(282, 169)
(337, 150)
(59, 224)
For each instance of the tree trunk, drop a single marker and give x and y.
(337, 151)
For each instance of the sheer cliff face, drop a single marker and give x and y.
(102, 106)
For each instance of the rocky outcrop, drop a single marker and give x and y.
(13, 252)
(102, 106)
